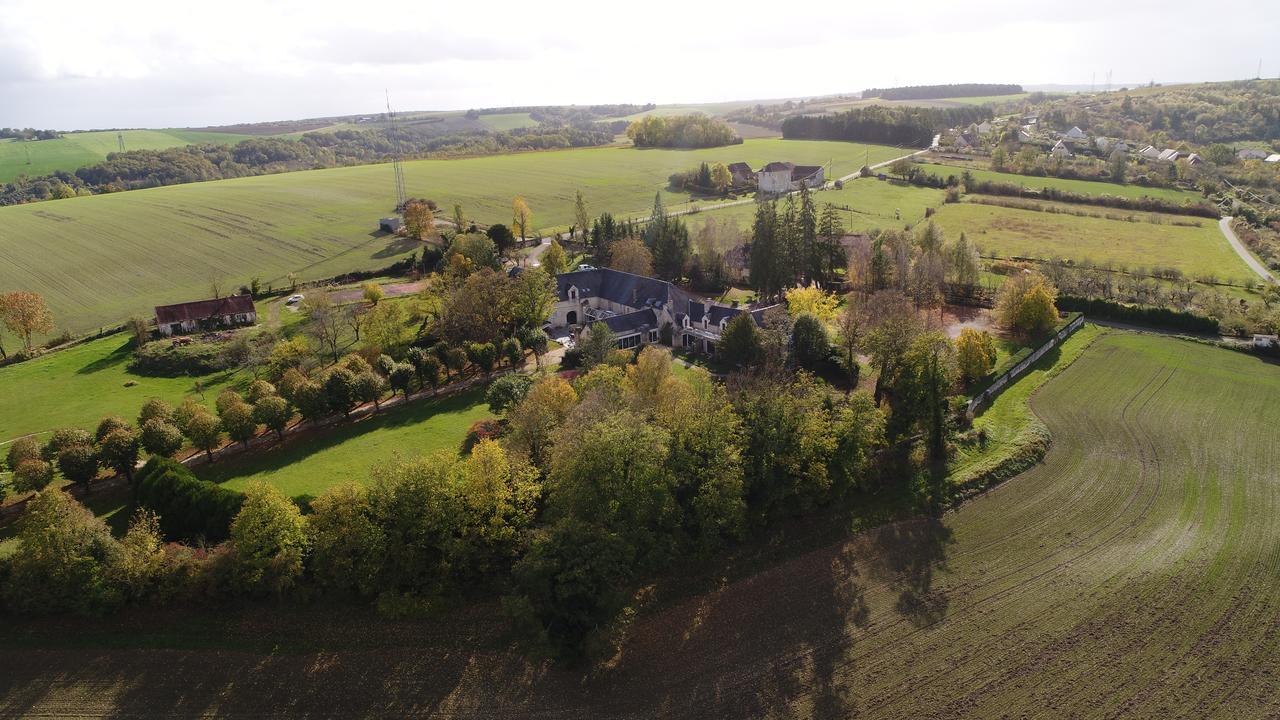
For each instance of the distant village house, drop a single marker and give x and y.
(228, 312)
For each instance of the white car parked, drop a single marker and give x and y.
(294, 299)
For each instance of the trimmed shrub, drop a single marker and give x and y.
(189, 508)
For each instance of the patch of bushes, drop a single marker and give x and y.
(168, 358)
(189, 508)
(1140, 315)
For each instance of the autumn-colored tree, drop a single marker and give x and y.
(535, 419)
(1025, 304)
(975, 354)
(373, 293)
(631, 255)
(554, 260)
(25, 314)
(721, 177)
(521, 217)
(812, 301)
(419, 220)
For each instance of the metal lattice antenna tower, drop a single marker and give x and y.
(393, 129)
(120, 140)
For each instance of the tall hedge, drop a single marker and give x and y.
(1139, 314)
(189, 508)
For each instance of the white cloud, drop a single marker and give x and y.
(84, 63)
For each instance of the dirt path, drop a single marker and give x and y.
(1225, 225)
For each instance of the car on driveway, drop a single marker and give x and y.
(294, 299)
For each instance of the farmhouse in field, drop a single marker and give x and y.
(636, 308)
(781, 177)
(742, 173)
(390, 225)
(228, 312)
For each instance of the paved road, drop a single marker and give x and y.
(1225, 225)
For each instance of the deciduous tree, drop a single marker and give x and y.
(25, 314)
(631, 255)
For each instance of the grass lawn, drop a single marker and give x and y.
(76, 150)
(100, 259)
(1008, 415)
(1196, 251)
(1085, 187)
(306, 465)
(79, 385)
(866, 203)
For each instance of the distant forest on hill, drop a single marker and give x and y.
(883, 125)
(934, 92)
(137, 169)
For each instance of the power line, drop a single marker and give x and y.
(394, 131)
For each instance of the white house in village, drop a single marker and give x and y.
(985, 128)
(216, 314)
(1169, 155)
(1074, 133)
(1274, 157)
(1150, 152)
(782, 177)
(1061, 149)
(636, 308)
(1024, 134)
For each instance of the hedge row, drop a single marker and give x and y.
(1139, 314)
(189, 508)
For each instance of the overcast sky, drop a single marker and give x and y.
(77, 64)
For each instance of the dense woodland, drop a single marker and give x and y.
(927, 92)
(28, 134)
(908, 126)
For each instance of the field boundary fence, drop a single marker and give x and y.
(1016, 371)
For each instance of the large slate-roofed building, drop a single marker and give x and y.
(636, 307)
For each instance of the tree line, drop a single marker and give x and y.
(136, 169)
(681, 131)
(886, 125)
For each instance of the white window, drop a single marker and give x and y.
(653, 336)
(686, 321)
(629, 341)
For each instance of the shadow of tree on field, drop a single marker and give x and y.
(907, 554)
(398, 246)
(106, 362)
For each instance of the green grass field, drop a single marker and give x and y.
(76, 150)
(78, 386)
(306, 465)
(507, 121)
(98, 260)
(865, 203)
(1027, 233)
(1086, 187)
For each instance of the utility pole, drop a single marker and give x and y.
(120, 140)
(393, 129)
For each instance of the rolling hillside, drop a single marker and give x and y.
(76, 150)
(100, 259)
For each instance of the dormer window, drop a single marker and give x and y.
(723, 321)
(686, 321)
(573, 293)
